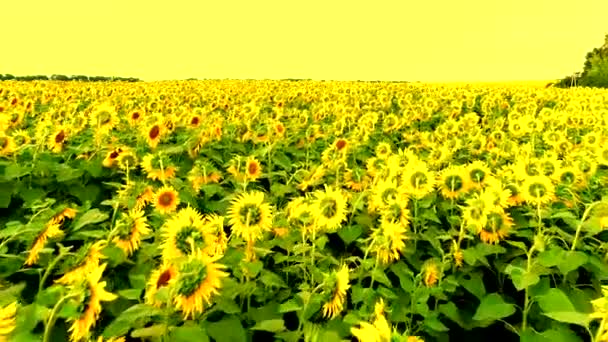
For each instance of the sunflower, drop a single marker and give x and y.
(104, 118)
(329, 206)
(383, 150)
(51, 230)
(385, 192)
(166, 200)
(601, 155)
(418, 180)
(158, 279)
(378, 331)
(198, 279)
(477, 173)
(496, 195)
(249, 216)
(111, 339)
(356, 179)
(153, 134)
(388, 241)
(568, 176)
(135, 117)
(89, 292)
(253, 169)
(336, 286)
(20, 137)
(497, 227)
(185, 233)
(88, 264)
(158, 167)
(538, 190)
(7, 145)
(452, 182)
(8, 320)
(430, 273)
(57, 140)
(214, 225)
(111, 157)
(475, 213)
(127, 160)
(131, 228)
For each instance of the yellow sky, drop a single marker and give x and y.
(431, 40)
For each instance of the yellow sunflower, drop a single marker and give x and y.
(497, 227)
(90, 293)
(452, 182)
(159, 278)
(430, 273)
(111, 157)
(158, 167)
(336, 286)
(388, 241)
(477, 173)
(57, 139)
(166, 200)
(86, 266)
(131, 228)
(538, 190)
(51, 230)
(385, 192)
(154, 133)
(7, 145)
(475, 212)
(8, 321)
(198, 279)
(185, 233)
(418, 180)
(329, 206)
(104, 118)
(253, 169)
(249, 216)
(135, 117)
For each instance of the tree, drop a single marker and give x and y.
(595, 70)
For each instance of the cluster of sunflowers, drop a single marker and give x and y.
(317, 205)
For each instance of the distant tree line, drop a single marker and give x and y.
(595, 70)
(55, 77)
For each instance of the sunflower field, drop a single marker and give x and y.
(313, 211)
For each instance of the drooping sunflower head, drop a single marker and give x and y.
(198, 279)
(430, 273)
(475, 213)
(104, 118)
(184, 234)
(131, 228)
(249, 216)
(166, 200)
(384, 192)
(158, 167)
(389, 241)
(127, 160)
(336, 285)
(383, 150)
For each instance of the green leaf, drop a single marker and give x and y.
(555, 300)
(90, 217)
(289, 306)
(406, 277)
(253, 267)
(557, 334)
(434, 323)
(350, 233)
(571, 317)
(152, 331)
(571, 260)
(493, 307)
(123, 323)
(15, 171)
(229, 329)
(272, 325)
(5, 195)
(473, 282)
(188, 333)
(522, 278)
(132, 294)
(272, 280)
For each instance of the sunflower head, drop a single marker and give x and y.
(249, 216)
(166, 200)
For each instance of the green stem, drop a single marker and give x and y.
(47, 272)
(51, 320)
(580, 225)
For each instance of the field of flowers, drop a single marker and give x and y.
(302, 211)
